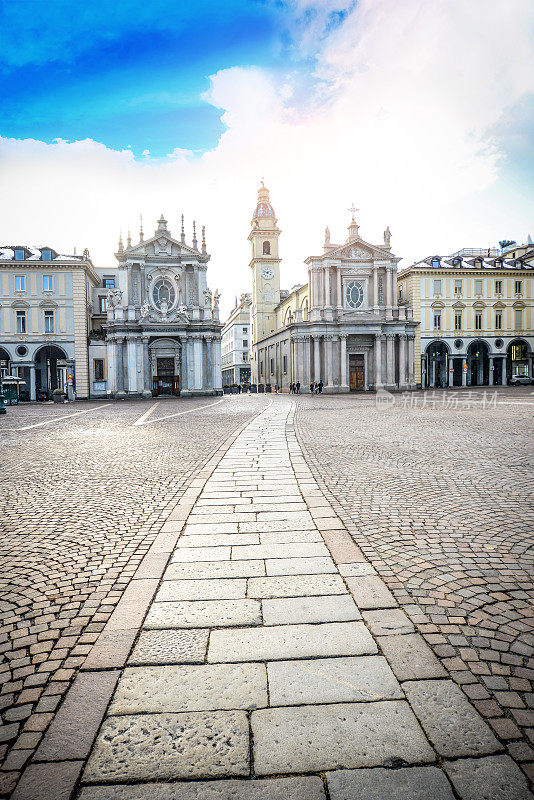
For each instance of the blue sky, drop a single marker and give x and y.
(127, 74)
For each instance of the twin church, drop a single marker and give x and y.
(343, 327)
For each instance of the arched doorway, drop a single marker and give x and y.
(5, 362)
(50, 369)
(517, 359)
(478, 364)
(436, 354)
(165, 364)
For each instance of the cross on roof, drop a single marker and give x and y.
(353, 211)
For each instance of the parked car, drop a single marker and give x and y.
(520, 380)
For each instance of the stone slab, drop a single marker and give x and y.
(170, 647)
(218, 539)
(52, 781)
(370, 592)
(201, 529)
(202, 589)
(342, 547)
(415, 783)
(289, 537)
(410, 657)
(204, 687)
(152, 565)
(186, 554)
(449, 720)
(344, 735)
(388, 622)
(74, 727)
(291, 641)
(355, 569)
(215, 569)
(295, 586)
(331, 680)
(263, 526)
(309, 788)
(488, 778)
(294, 550)
(111, 649)
(203, 614)
(300, 566)
(294, 610)
(148, 747)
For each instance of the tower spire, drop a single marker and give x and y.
(183, 231)
(195, 243)
(141, 234)
(204, 251)
(129, 238)
(353, 227)
(121, 245)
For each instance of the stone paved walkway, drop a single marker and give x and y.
(273, 663)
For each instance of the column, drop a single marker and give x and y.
(197, 362)
(327, 287)
(503, 371)
(147, 382)
(379, 337)
(389, 290)
(390, 359)
(375, 288)
(307, 359)
(464, 371)
(339, 290)
(411, 359)
(403, 362)
(450, 374)
(33, 395)
(132, 366)
(490, 379)
(328, 359)
(316, 359)
(217, 371)
(120, 366)
(343, 359)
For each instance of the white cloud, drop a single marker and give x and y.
(403, 99)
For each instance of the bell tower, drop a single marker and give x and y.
(265, 266)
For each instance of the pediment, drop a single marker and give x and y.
(162, 244)
(359, 249)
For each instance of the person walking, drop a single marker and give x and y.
(311, 387)
(297, 387)
(320, 386)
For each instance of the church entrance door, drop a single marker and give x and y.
(165, 382)
(356, 373)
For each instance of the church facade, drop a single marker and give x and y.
(162, 332)
(343, 327)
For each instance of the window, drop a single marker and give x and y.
(20, 283)
(435, 262)
(21, 322)
(518, 316)
(284, 362)
(518, 287)
(437, 287)
(245, 329)
(261, 368)
(354, 294)
(478, 320)
(272, 366)
(498, 320)
(498, 287)
(457, 287)
(102, 304)
(478, 287)
(457, 320)
(437, 320)
(245, 342)
(19, 255)
(49, 321)
(163, 294)
(98, 369)
(46, 255)
(108, 283)
(48, 283)
(266, 248)
(400, 291)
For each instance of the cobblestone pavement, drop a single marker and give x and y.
(439, 499)
(84, 492)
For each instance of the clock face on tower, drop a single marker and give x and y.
(267, 273)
